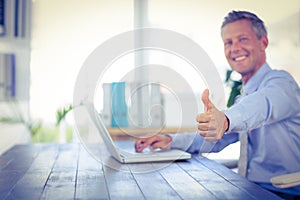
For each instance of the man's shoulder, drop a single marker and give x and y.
(278, 73)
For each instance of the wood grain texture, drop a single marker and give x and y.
(71, 171)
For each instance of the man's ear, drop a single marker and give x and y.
(264, 42)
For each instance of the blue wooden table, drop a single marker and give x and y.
(68, 171)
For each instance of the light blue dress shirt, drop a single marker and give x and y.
(270, 114)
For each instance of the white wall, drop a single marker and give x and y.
(201, 21)
(284, 49)
(65, 32)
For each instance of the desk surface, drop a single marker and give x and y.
(67, 171)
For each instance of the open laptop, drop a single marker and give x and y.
(132, 157)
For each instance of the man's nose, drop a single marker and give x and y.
(235, 46)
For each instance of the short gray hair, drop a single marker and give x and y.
(257, 24)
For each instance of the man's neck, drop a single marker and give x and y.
(246, 77)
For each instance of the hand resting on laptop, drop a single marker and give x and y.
(155, 142)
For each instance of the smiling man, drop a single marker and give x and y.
(267, 114)
(244, 46)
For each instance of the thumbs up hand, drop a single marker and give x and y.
(212, 123)
(206, 101)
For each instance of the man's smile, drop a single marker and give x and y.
(239, 58)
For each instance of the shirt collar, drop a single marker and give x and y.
(253, 83)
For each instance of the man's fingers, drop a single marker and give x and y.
(155, 145)
(211, 122)
(160, 144)
(209, 136)
(207, 133)
(203, 118)
(211, 139)
(154, 142)
(141, 144)
(206, 127)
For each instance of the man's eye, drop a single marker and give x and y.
(228, 43)
(243, 39)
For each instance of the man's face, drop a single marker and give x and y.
(244, 52)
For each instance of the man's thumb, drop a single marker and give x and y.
(205, 99)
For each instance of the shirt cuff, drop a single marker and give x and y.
(234, 117)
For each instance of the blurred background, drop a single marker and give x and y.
(59, 35)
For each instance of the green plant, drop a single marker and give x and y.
(62, 112)
(52, 134)
(12, 114)
(16, 117)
